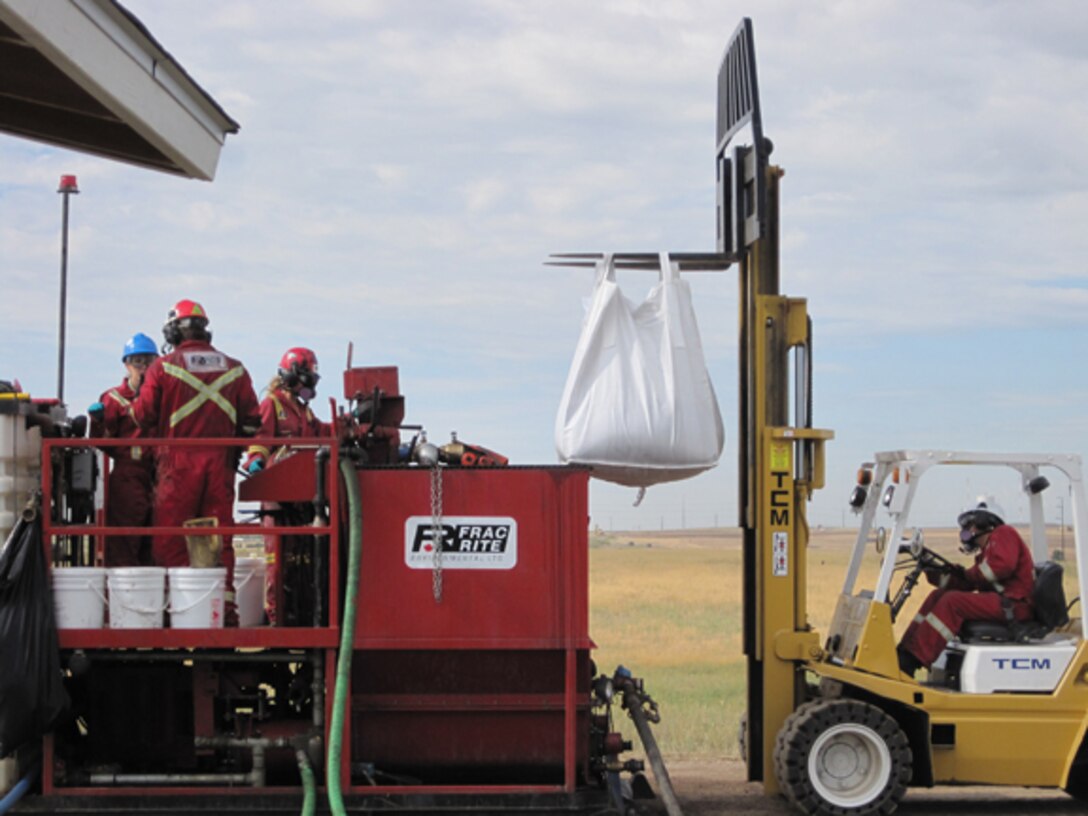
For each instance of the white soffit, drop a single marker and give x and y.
(87, 75)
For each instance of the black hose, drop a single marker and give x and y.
(633, 700)
(661, 774)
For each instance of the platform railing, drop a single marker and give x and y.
(54, 529)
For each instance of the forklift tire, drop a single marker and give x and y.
(842, 756)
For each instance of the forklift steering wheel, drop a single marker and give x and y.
(933, 561)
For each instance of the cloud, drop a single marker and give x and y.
(403, 170)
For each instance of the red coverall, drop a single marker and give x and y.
(1002, 567)
(129, 503)
(195, 391)
(282, 414)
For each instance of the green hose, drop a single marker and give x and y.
(347, 640)
(309, 795)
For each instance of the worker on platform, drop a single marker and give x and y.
(997, 587)
(195, 390)
(285, 412)
(132, 469)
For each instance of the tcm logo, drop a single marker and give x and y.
(474, 542)
(1023, 663)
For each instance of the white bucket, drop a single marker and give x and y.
(136, 597)
(196, 597)
(79, 597)
(249, 590)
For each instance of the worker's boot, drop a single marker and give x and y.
(908, 663)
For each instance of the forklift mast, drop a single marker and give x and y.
(780, 454)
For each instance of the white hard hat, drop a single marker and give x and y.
(985, 514)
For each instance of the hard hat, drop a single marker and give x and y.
(185, 313)
(185, 310)
(299, 365)
(139, 343)
(985, 514)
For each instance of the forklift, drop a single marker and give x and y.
(867, 730)
(832, 723)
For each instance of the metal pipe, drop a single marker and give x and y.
(63, 294)
(317, 687)
(321, 461)
(243, 742)
(205, 656)
(122, 779)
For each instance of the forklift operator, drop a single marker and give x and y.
(997, 587)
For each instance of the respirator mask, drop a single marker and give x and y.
(969, 540)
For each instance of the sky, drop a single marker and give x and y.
(403, 170)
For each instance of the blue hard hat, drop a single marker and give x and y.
(139, 344)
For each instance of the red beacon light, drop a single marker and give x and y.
(68, 185)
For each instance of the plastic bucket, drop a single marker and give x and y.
(79, 597)
(249, 590)
(196, 597)
(136, 597)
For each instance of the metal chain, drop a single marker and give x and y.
(437, 535)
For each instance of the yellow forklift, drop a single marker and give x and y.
(1004, 704)
(831, 722)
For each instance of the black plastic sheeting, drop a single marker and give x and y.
(32, 694)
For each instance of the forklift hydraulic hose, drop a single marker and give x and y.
(12, 797)
(309, 791)
(347, 639)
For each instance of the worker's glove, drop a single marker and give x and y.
(253, 464)
(96, 411)
(958, 571)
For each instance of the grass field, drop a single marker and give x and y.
(668, 606)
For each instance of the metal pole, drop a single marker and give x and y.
(67, 187)
(1061, 523)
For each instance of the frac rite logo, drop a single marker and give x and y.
(468, 542)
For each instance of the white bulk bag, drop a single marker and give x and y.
(639, 405)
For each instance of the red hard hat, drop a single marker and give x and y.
(185, 309)
(302, 357)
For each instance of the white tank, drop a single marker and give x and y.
(20, 467)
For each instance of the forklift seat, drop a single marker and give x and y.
(1050, 612)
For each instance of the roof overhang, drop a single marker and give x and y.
(87, 75)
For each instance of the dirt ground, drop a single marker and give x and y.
(713, 787)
